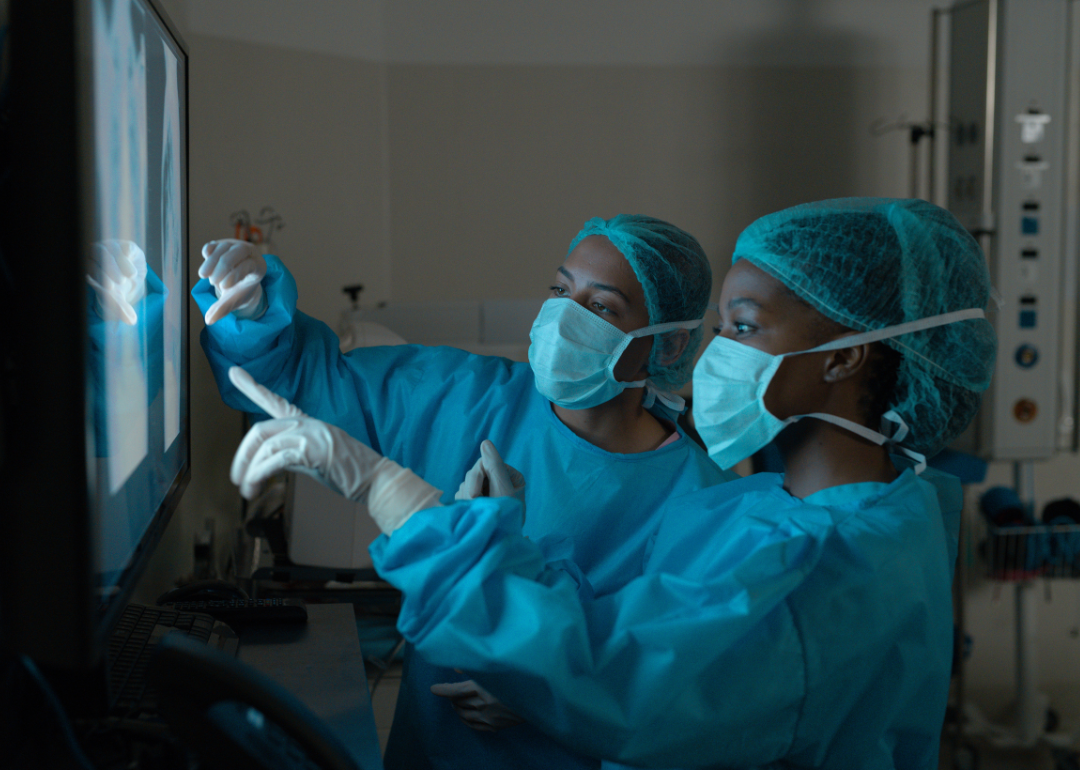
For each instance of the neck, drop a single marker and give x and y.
(620, 425)
(818, 455)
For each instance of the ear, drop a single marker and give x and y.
(845, 363)
(674, 346)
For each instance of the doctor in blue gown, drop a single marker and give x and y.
(783, 620)
(590, 422)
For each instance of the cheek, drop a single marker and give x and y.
(794, 389)
(634, 360)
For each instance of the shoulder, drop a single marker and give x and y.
(901, 527)
(908, 497)
(730, 526)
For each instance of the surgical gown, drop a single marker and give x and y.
(428, 409)
(765, 632)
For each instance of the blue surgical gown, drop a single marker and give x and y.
(765, 632)
(428, 409)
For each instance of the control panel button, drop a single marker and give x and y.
(1027, 355)
(1032, 126)
(1025, 410)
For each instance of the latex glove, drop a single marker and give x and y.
(235, 269)
(491, 477)
(293, 441)
(118, 277)
(476, 707)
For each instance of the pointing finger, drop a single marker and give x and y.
(271, 403)
(231, 299)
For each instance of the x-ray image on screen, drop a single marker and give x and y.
(120, 135)
(135, 274)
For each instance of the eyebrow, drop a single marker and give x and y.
(595, 285)
(744, 301)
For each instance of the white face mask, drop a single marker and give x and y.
(730, 381)
(574, 352)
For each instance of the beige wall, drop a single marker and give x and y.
(430, 172)
(494, 168)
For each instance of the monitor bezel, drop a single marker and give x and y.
(49, 607)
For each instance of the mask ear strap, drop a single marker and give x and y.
(652, 393)
(670, 400)
(888, 332)
(874, 436)
(901, 431)
(860, 430)
(899, 435)
(650, 398)
(920, 459)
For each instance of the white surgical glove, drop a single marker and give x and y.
(293, 441)
(118, 276)
(235, 269)
(491, 477)
(476, 707)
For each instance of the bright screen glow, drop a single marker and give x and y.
(136, 279)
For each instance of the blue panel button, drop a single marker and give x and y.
(1027, 319)
(1026, 356)
(1029, 225)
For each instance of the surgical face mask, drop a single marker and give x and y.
(574, 352)
(731, 379)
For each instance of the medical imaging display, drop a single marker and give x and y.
(135, 277)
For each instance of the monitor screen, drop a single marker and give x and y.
(137, 297)
(94, 425)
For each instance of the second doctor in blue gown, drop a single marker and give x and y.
(782, 621)
(600, 453)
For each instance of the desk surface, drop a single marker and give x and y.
(321, 664)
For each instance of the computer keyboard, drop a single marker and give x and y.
(239, 612)
(132, 645)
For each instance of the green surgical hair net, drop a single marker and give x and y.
(676, 276)
(868, 263)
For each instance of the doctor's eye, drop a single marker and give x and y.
(716, 330)
(601, 308)
(557, 291)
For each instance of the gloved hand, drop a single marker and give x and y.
(235, 269)
(476, 707)
(491, 477)
(118, 277)
(293, 441)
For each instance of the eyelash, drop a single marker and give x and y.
(559, 291)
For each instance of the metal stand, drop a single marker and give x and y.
(1031, 706)
(1017, 555)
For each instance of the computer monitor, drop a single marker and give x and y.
(94, 427)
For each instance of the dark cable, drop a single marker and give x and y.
(58, 712)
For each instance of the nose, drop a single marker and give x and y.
(727, 331)
(580, 297)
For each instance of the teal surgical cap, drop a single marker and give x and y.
(868, 263)
(675, 274)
